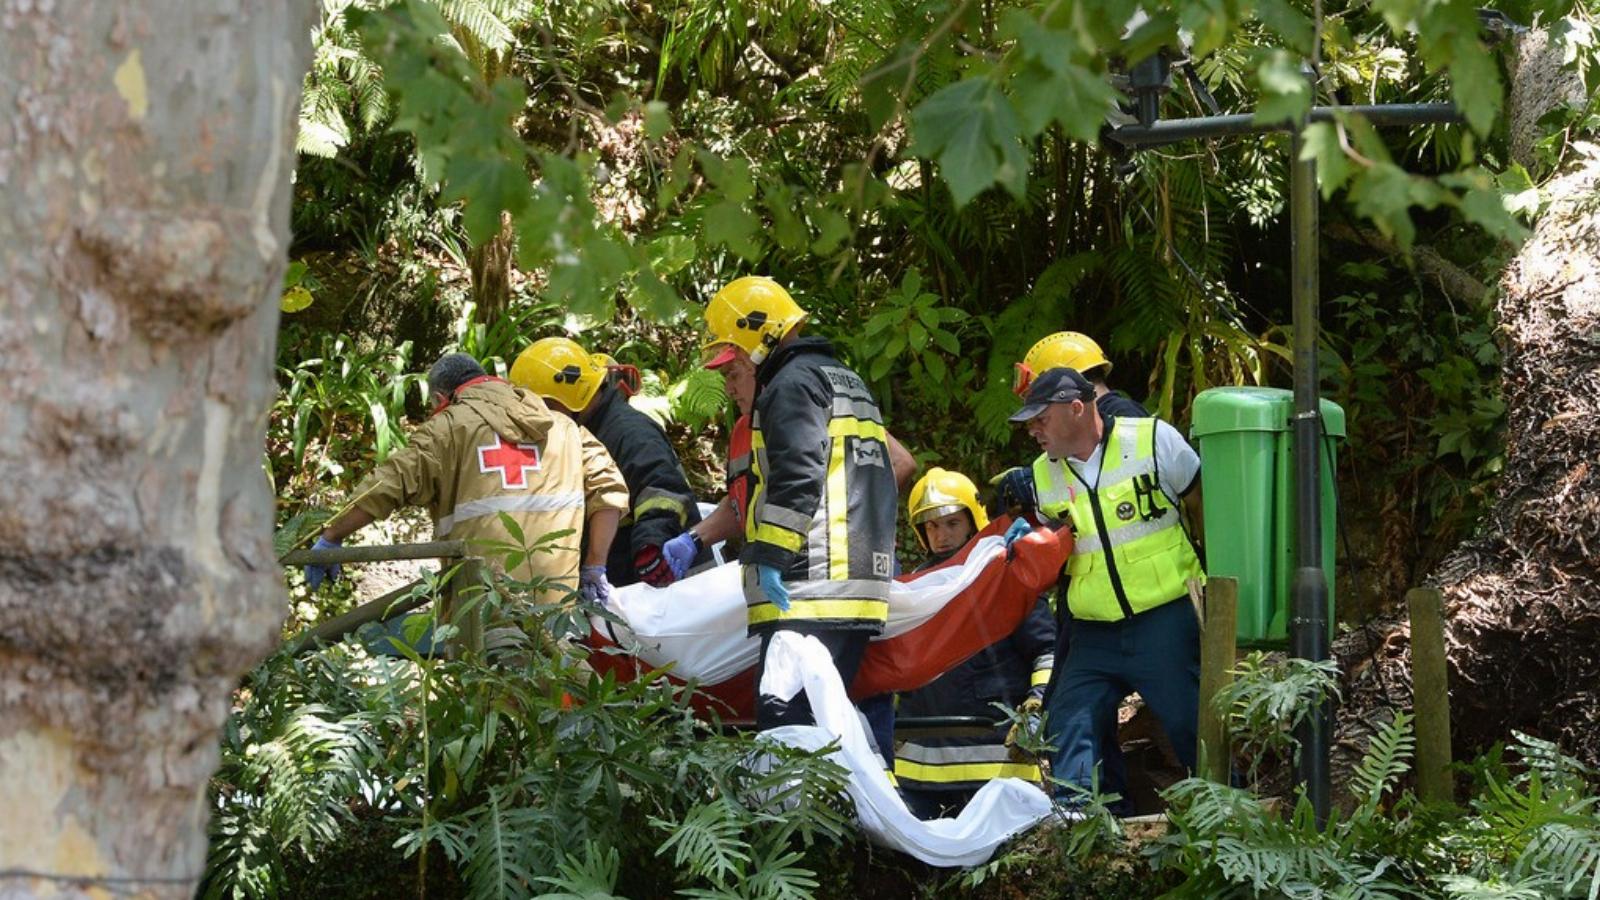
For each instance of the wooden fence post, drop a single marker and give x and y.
(1430, 695)
(1218, 653)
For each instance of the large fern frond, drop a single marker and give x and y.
(1385, 761)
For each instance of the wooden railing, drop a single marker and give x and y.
(399, 601)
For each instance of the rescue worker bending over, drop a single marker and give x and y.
(594, 391)
(1118, 485)
(938, 776)
(819, 528)
(490, 448)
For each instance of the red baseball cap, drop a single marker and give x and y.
(727, 354)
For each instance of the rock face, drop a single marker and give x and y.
(146, 158)
(1523, 598)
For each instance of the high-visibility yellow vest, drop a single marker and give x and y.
(1130, 553)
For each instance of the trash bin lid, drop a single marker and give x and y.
(1222, 410)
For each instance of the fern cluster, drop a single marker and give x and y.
(523, 771)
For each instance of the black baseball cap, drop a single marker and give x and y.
(1054, 386)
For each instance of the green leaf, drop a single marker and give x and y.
(880, 87)
(294, 274)
(294, 299)
(1385, 194)
(729, 224)
(1484, 203)
(657, 120)
(972, 131)
(1321, 143)
(654, 298)
(1055, 85)
(1285, 91)
(833, 229)
(670, 253)
(731, 176)
(1290, 24)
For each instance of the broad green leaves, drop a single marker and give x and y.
(1285, 89)
(972, 130)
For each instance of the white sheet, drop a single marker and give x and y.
(699, 623)
(1002, 808)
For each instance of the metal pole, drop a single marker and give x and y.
(1308, 616)
(1173, 131)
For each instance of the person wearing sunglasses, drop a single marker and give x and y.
(593, 390)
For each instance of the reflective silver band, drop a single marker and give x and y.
(489, 506)
(1091, 543)
(865, 410)
(773, 514)
(950, 756)
(844, 589)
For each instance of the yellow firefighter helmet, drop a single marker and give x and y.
(752, 313)
(1062, 350)
(940, 493)
(557, 369)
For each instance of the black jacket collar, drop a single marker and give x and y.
(780, 357)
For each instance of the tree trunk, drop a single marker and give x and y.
(145, 151)
(1522, 599)
(490, 264)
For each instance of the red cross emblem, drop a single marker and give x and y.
(514, 462)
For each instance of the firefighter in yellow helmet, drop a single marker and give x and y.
(593, 390)
(819, 527)
(939, 775)
(1062, 350)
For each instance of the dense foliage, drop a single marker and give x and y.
(931, 180)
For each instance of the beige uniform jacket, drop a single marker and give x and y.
(499, 449)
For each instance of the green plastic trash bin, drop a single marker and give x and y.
(1246, 450)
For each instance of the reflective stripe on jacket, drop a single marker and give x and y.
(823, 501)
(1127, 513)
(1007, 672)
(663, 506)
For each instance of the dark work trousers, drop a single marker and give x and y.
(1156, 653)
(846, 648)
(1113, 768)
(879, 711)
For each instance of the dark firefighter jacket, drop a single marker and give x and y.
(661, 506)
(823, 501)
(1007, 672)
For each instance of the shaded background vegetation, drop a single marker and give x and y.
(477, 174)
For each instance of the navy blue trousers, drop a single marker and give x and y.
(1156, 653)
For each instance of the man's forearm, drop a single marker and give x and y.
(721, 525)
(352, 520)
(602, 531)
(902, 462)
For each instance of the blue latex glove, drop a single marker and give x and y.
(1014, 489)
(592, 584)
(680, 553)
(315, 574)
(772, 585)
(1018, 528)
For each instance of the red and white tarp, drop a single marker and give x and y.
(696, 628)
